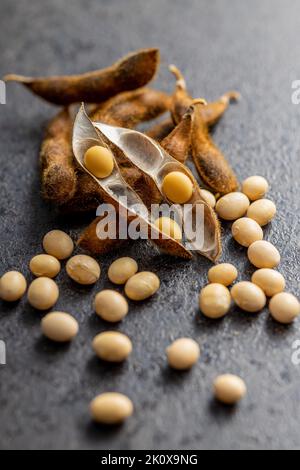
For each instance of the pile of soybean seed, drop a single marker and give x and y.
(249, 212)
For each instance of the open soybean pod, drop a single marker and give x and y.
(115, 189)
(150, 158)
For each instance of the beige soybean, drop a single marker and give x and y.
(270, 281)
(59, 326)
(58, 244)
(208, 197)
(177, 187)
(122, 269)
(99, 161)
(43, 293)
(263, 254)
(142, 285)
(183, 353)
(110, 305)
(214, 300)
(255, 187)
(232, 206)
(12, 286)
(262, 211)
(112, 346)
(83, 269)
(246, 231)
(229, 389)
(248, 296)
(224, 273)
(111, 408)
(169, 227)
(284, 307)
(44, 266)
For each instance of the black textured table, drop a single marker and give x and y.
(45, 389)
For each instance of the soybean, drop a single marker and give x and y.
(263, 254)
(13, 286)
(284, 307)
(248, 296)
(214, 300)
(224, 273)
(110, 305)
(183, 353)
(122, 269)
(262, 211)
(246, 231)
(232, 206)
(111, 408)
(45, 266)
(208, 197)
(59, 327)
(177, 187)
(58, 244)
(112, 346)
(99, 161)
(43, 293)
(270, 281)
(141, 286)
(255, 187)
(83, 269)
(229, 389)
(169, 227)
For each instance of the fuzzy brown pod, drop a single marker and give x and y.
(211, 164)
(131, 72)
(161, 130)
(178, 142)
(115, 189)
(150, 158)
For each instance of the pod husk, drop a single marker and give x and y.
(85, 135)
(178, 142)
(161, 130)
(131, 72)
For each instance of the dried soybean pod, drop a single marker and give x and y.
(87, 196)
(214, 110)
(211, 164)
(178, 142)
(133, 71)
(161, 130)
(56, 158)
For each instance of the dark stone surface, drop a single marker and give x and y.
(45, 389)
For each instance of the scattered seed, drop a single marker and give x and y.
(263, 211)
(99, 161)
(177, 187)
(112, 346)
(110, 305)
(45, 266)
(248, 296)
(83, 269)
(263, 254)
(59, 326)
(246, 231)
(183, 353)
(232, 206)
(229, 389)
(142, 285)
(214, 300)
(43, 293)
(224, 273)
(58, 244)
(270, 281)
(208, 197)
(111, 408)
(255, 187)
(13, 286)
(284, 307)
(122, 269)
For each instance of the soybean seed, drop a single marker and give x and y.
(263, 254)
(232, 206)
(122, 269)
(262, 211)
(112, 346)
(229, 389)
(110, 305)
(255, 187)
(284, 307)
(141, 286)
(83, 269)
(59, 326)
(12, 286)
(44, 266)
(43, 293)
(270, 281)
(224, 273)
(246, 231)
(99, 161)
(169, 227)
(214, 300)
(183, 353)
(177, 187)
(208, 197)
(58, 244)
(248, 296)
(111, 408)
